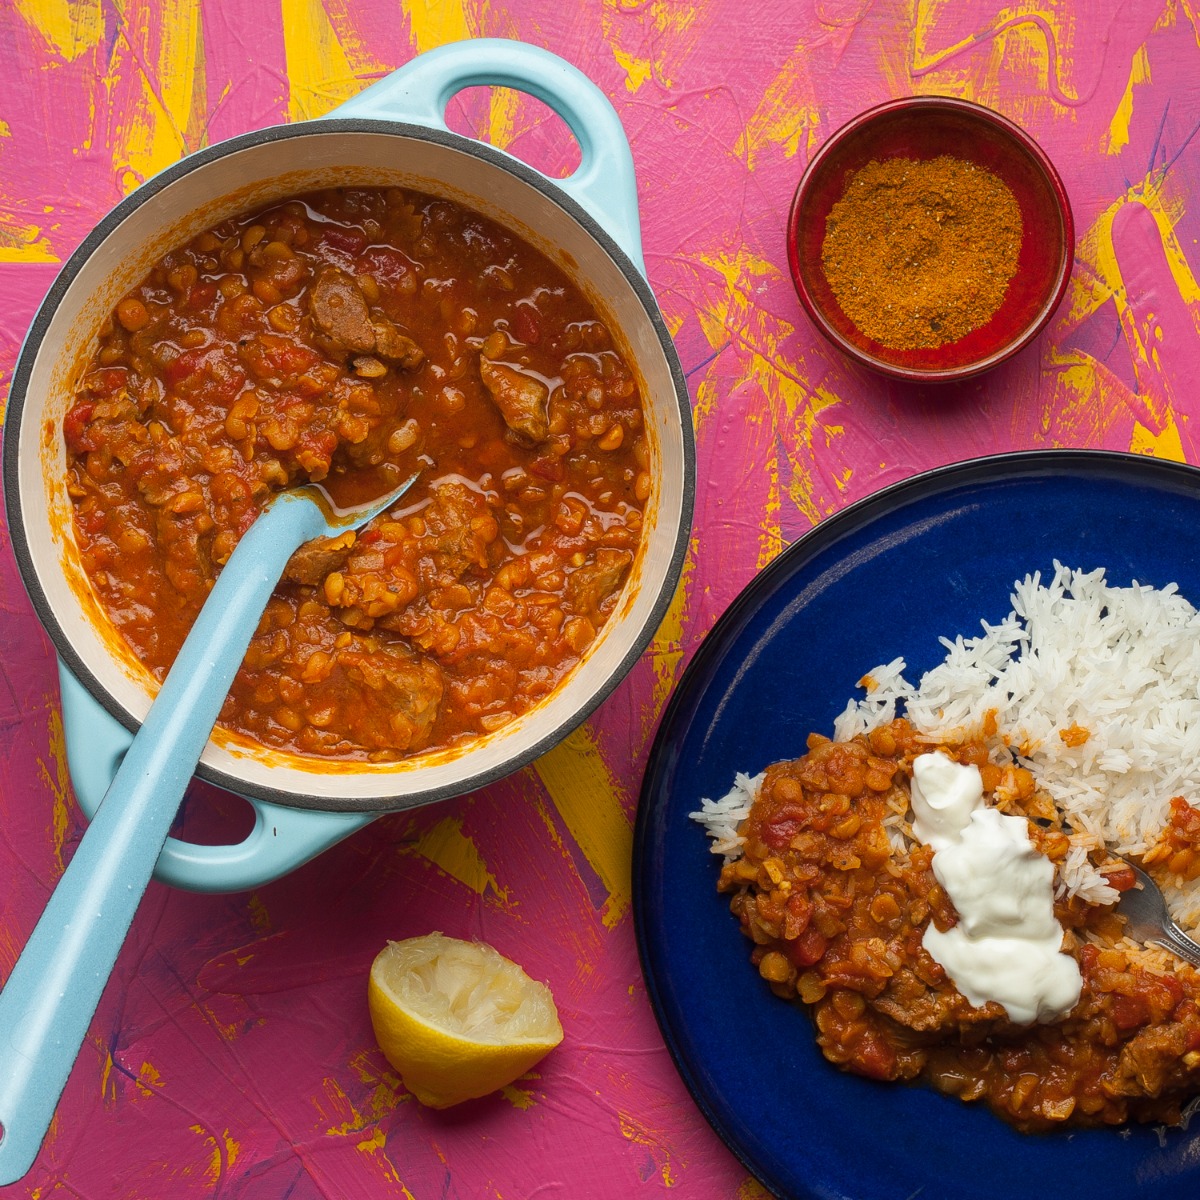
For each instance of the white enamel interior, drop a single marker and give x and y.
(259, 174)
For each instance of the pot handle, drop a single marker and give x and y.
(281, 840)
(604, 183)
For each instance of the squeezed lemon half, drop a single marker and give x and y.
(457, 1019)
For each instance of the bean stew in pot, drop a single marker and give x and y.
(350, 337)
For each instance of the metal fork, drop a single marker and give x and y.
(1147, 919)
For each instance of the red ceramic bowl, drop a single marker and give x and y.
(925, 127)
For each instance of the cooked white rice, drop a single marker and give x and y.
(1122, 663)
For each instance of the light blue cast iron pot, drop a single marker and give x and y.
(393, 134)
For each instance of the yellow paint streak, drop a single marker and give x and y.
(1020, 42)
(369, 1145)
(788, 115)
(23, 245)
(666, 649)
(148, 1079)
(551, 827)
(751, 1189)
(260, 918)
(637, 1133)
(324, 62)
(447, 847)
(731, 311)
(1098, 248)
(164, 55)
(666, 25)
(637, 70)
(222, 1155)
(108, 1088)
(805, 409)
(1080, 407)
(518, 1098)
(708, 395)
(770, 529)
(70, 27)
(384, 1097)
(339, 1105)
(1165, 213)
(386, 1092)
(731, 316)
(1167, 444)
(436, 22)
(1117, 137)
(181, 64)
(503, 107)
(588, 799)
(57, 778)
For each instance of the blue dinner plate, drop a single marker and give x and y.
(929, 557)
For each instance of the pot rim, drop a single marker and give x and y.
(33, 344)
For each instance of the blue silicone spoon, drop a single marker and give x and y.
(55, 986)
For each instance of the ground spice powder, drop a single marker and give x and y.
(919, 252)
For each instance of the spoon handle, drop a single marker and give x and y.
(1174, 939)
(50, 997)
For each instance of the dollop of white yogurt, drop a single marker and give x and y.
(1007, 945)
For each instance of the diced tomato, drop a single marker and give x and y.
(320, 441)
(223, 378)
(1128, 1012)
(873, 1056)
(550, 467)
(779, 833)
(797, 914)
(272, 356)
(108, 381)
(92, 522)
(182, 367)
(75, 428)
(201, 296)
(1121, 878)
(527, 323)
(344, 241)
(387, 266)
(1161, 993)
(1172, 986)
(1186, 819)
(807, 948)
(294, 358)
(247, 518)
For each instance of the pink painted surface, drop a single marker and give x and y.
(232, 1053)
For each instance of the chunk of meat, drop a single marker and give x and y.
(925, 1008)
(459, 529)
(589, 586)
(316, 559)
(380, 576)
(523, 399)
(340, 311)
(396, 695)
(391, 343)
(1151, 1060)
